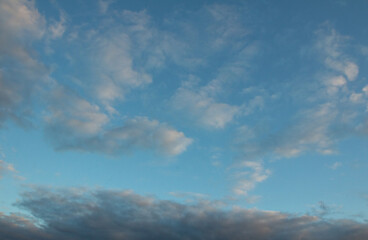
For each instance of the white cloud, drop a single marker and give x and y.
(58, 28)
(21, 72)
(74, 123)
(356, 97)
(203, 108)
(351, 71)
(248, 179)
(19, 18)
(140, 132)
(312, 132)
(346, 67)
(115, 68)
(365, 90)
(334, 83)
(104, 5)
(320, 126)
(73, 115)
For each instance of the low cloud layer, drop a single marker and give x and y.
(81, 214)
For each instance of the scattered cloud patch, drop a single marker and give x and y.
(205, 109)
(332, 112)
(249, 176)
(76, 124)
(312, 132)
(114, 67)
(104, 5)
(57, 28)
(6, 168)
(335, 165)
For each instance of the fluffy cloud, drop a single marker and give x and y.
(101, 214)
(76, 124)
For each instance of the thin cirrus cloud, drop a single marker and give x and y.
(95, 214)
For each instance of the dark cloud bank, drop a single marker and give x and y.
(75, 214)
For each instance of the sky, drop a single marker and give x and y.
(183, 119)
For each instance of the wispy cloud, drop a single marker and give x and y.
(248, 175)
(335, 165)
(6, 168)
(322, 210)
(202, 107)
(325, 121)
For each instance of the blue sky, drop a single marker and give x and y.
(257, 107)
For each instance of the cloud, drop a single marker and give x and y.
(115, 67)
(248, 179)
(103, 214)
(313, 131)
(335, 165)
(21, 72)
(201, 106)
(5, 168)
(322, 210)
(73, 123)
(340, 66)
(216, 35)
(104, 5)
(327, 115)
(57, 29)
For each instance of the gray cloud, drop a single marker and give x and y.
(101, 214)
